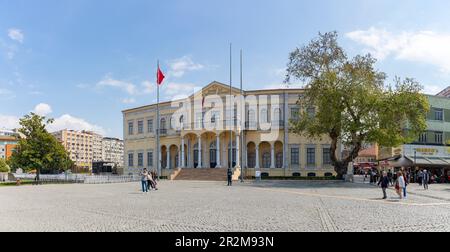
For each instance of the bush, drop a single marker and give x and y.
(3, 166)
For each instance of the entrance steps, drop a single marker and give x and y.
(202, 174)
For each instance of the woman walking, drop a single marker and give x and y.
(400, 184)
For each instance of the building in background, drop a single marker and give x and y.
(8, 142)
(431, 150)
(97, 154)
(79, 145)
(112, 151)
(87, 148)
(367, 158)
(445, 93)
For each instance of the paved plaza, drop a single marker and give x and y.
(211, 206)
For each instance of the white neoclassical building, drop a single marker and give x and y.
(206, 130)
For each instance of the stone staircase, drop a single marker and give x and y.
(202, 174)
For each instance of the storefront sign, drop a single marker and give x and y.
(426, 151)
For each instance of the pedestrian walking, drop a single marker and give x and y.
(425, 179)
(144, 178)
(230, 177)
(149, 181)
(406, 179)
(400, 184)
(384, 182)
(154, 178)
(390, 176)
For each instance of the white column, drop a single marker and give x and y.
(257, 158)
(182, 153)
(168, 159)
(238, 160)
(272, 160)
(200, 165)
(218, 151)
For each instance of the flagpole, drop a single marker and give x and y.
(158, 152)
(241, 136)
(231, 112)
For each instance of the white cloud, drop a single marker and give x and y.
(9, 122)
(128, 100)
(16, 35)
(108, 81)
(70, 122)
(42, 109)
(427, 47)
(432, 89)
(148, 87)
(176, 91)
(178, 67)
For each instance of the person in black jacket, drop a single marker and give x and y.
(384, 182)
(230, 176)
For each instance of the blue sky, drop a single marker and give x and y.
(83, 61)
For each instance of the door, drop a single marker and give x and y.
(212, 158)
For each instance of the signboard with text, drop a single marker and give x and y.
(426, 151)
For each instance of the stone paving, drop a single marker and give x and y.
(186, 206)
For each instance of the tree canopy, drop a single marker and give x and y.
(39, 150)
(348, 100)
(4, 166)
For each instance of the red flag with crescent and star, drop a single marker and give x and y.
(160, 76)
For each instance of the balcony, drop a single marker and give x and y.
(163, 132)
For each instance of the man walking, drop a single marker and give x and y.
(229, 176)
(384, 182)
(425, 179)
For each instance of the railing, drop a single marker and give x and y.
(79, 178)
(163, 131)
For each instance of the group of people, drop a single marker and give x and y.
(149, 180)
(401, 180)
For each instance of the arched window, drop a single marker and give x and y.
(279, 160)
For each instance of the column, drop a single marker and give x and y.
(238, 160)
(272, 159)
(182, 153)
(218, 150)
(168, 159)
(189, 151)
(257, 158)
(200, 165)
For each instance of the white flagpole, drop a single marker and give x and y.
(158, 152)
(231, 112)
(241, 136)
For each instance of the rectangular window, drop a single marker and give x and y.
(295, 156)
(150, 126)
(130, 160)
(140, 159)
(150, 159)
(140, 127)
(130, 128)
(326, 156)
(311, 156)
(423, 138)
(438, 137)
(295, 113)
(438, 114)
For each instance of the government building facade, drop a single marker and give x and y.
(212, 129)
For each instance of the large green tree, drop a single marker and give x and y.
(4, 166)
(39, 150)
(348, 100)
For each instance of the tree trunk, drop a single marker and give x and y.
(341, 166)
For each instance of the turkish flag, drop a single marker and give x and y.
(160, 76)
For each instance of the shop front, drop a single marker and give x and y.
(434, 159)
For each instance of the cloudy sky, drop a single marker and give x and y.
(82, 62)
